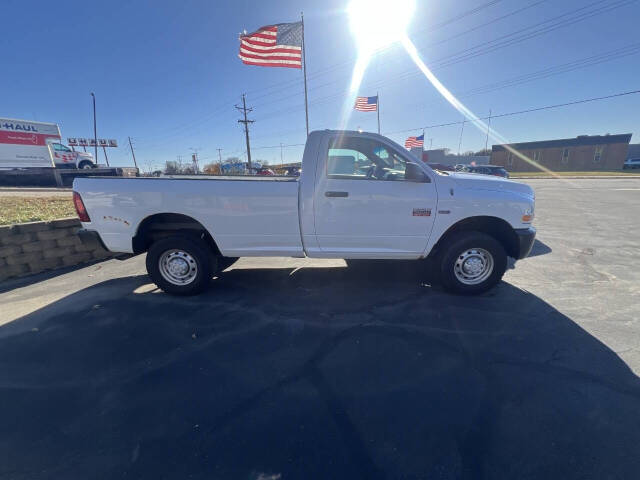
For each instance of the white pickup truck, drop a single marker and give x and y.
(360, 195)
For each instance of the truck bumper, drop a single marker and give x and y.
(90, 237)
(526, 237)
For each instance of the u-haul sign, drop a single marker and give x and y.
(26, 144)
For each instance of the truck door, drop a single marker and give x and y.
(63, 155)
(364, 206)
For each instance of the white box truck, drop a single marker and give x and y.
(27, 144)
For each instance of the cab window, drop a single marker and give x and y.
(356, 158)
(58, 147)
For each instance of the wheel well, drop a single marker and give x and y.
(493, 226)
(164, 225)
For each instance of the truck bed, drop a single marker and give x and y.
(240, 212)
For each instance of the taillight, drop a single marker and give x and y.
(79, 204)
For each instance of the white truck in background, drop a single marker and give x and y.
(360, 195)
(28, 144)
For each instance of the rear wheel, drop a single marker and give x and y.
(472, 263)
(181, 265)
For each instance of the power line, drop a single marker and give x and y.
(568, 67)
(281, 145)
(517, 36)
(530, 110)
(282, 86)
(488, 47)
(285, 86)
(452, 57)
(323, 71)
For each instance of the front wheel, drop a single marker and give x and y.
(472, 263)
(85, 165)
(181, 265)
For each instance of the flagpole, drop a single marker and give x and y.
(304, 69)
(378, 109)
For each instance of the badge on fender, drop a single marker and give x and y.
(421, 212)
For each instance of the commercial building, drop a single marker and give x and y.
(440, 156)
(634, 151)
(583, 153)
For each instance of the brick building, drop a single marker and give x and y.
(583, 153)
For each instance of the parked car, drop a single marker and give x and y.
(399, 208)
(632, 163)
(292, 171)
(265, 171)
(487, 170)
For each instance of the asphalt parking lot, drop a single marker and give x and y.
(293, 368)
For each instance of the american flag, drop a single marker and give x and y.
(366, 104)
(414, 142)
(273, 46)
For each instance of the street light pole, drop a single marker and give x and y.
(95, 130)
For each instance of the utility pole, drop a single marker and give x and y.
(106, 159)
(430, 143)
(220, 159)
(133, 153)
(194, 159)
(95, 129)
(246, 123)
(281, 157)
(461, 132)
(486, 142)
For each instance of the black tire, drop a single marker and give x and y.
(86, 165)
(471, 244)
(195, 254)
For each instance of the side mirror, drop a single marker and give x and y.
(413, 173)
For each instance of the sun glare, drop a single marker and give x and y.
(458, 105)
(376, 24)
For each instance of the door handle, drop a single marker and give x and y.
(336, 194)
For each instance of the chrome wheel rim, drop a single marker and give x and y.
(178, 267)
(473, 266)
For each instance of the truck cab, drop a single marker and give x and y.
(65, 157)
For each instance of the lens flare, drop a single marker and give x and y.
(458, 105)
(375, 24)
(379, 23)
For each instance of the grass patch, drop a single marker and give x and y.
(615, 173)
(34, 209)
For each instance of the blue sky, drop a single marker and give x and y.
(167, 73)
